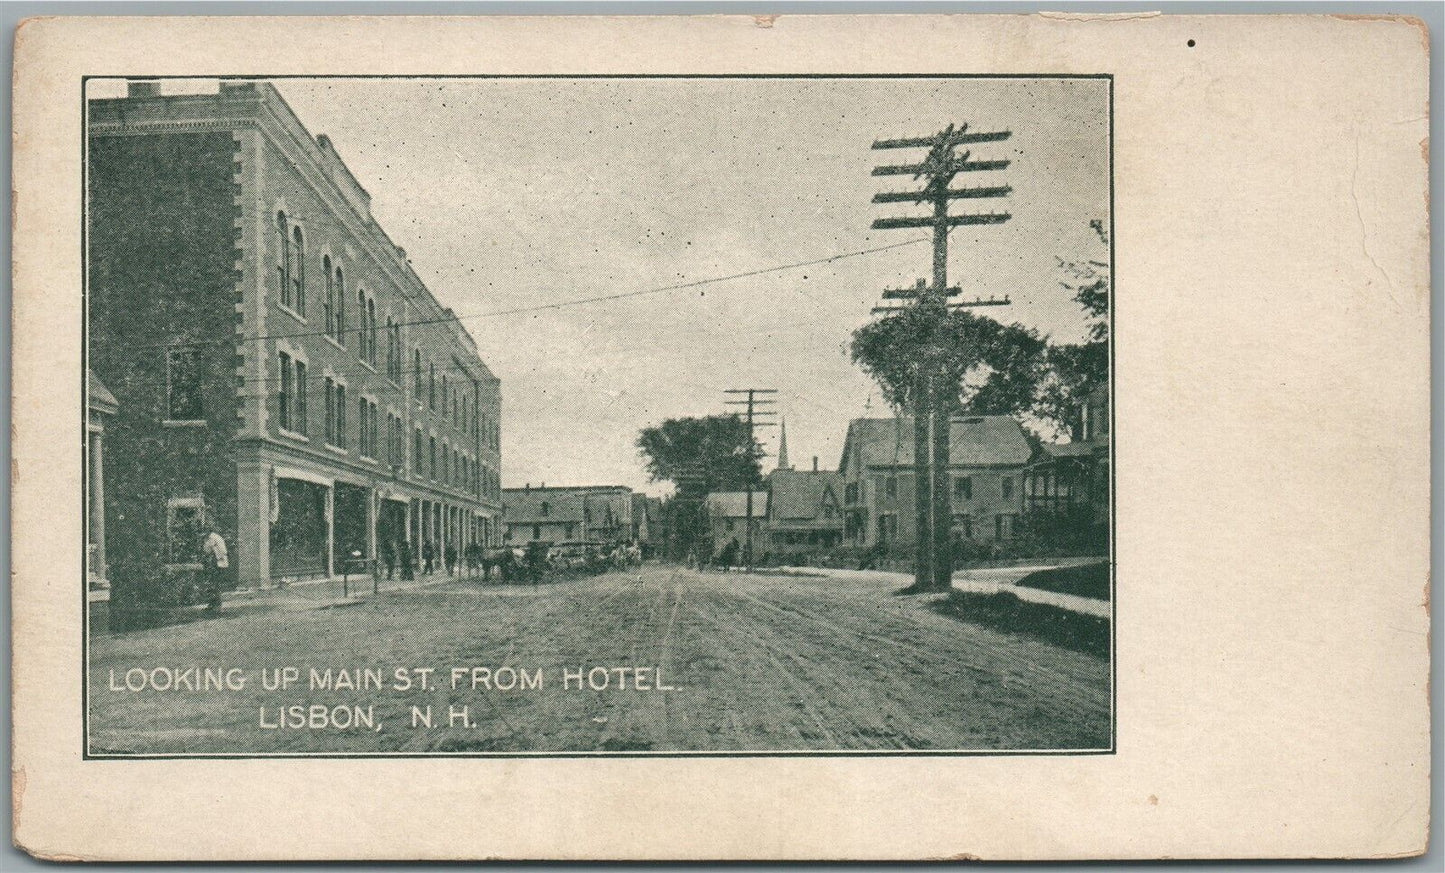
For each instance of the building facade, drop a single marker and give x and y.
(805, 513)
(583, 513)
(283, 374)
(727, 517)
(986, 465)
(1072, 479)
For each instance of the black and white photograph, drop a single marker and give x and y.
(598, 416)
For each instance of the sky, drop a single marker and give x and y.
(513, 193)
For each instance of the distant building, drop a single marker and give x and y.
(594, 513)
(727, 516)
(987, 457)
(282, 372)
(805, 513)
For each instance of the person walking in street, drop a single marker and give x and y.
(428, 557)
(449, 557)
(388, 557)
(406, 561)
(215, 561)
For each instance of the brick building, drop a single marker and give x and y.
(594, 513)
(986, 465)
(279, 366)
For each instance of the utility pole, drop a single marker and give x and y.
(755, 419)
(933, 399)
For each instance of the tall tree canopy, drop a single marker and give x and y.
(714, 453)
(990, 368)
(1075, 370)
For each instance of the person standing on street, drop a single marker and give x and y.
(428, 557)
(215, 561)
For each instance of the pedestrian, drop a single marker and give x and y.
(449, 557)
(406, 561)
(428, 557)
(388, 557)
(215, 561)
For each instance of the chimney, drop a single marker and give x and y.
(143, 88)
(815, 463)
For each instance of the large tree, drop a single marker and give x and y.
(1075, 370)
(712, 453)
(699, 455)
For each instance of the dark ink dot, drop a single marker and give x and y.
(1190, 43)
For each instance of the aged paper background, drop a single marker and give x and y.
(1271, 330)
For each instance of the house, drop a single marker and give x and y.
(597, 513)
(281, 371)
(987, 456)
(727, 517)
(805, 513)
(1072, 478)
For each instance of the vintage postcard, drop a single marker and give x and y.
(721, 438)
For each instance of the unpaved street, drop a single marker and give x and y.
(754, 663)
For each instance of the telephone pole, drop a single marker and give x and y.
(755, 419)
(933, 400)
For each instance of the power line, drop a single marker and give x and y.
(541, 307)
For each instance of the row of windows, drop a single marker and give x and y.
(451, 466)
(962, 488)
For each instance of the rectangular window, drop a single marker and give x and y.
(1007, 484)
(362, 422)
(299, 404)
(184, 518)
(283, 399)
(183, 385)
(963, 488)
(340, 441)
(850, 493)
(416, 454)
(890, 487)
(330, 388)
(432, 451)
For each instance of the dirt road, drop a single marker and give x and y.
(750, 663)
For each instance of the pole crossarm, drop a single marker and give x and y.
(958, 138)
(950, 193)
(912, 293)
(960, 165)
(947, 221)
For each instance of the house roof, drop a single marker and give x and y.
(526, 506)
(734, 504)
(101, 400)
(799, 494)
(974, 441)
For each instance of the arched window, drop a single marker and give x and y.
(371, 330)
(340, 332)
(416, 375)
(431, 387)
(283, 262)
(328, 303)
(361, 323)
(298, 271)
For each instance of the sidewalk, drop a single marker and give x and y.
(983, 580)
(316, 593)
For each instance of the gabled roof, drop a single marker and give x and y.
(734, 504)
(974, 441)
(799, 494)
(526, 506)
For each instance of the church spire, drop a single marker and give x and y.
(783, 448)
